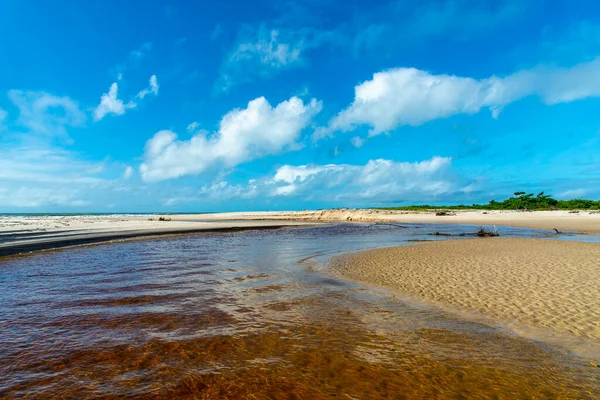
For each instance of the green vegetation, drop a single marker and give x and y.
(520, 201)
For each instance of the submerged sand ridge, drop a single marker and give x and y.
(550, 285)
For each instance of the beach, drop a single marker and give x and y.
(538, 288)
(20, 234)
(23, 234)
(582, 221)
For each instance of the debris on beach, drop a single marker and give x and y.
(444, 213)
(482, 232)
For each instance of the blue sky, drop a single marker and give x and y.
(136, 106)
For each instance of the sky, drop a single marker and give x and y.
(197, 106)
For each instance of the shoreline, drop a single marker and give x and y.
(27, 233)
(561, 220)
(538, 289)
(37, 238)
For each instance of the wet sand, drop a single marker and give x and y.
(526, 284)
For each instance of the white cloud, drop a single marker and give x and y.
(376, 181)
(3, 115)
(31, 197)
(153, 88)
(243, 135)
(268, 49)
(262, 52)
(38, 177)
(357, 142)
(45, 166)
(408, 96)
(218, 191)
(291, 174)
(43, 113)
(191, 128)
(127, 173)
(111, 104)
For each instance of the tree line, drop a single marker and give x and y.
(520, 201)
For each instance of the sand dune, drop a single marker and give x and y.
(524, 283)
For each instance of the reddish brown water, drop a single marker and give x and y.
(242, 316)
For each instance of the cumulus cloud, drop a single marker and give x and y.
(409, 96)
(243, 135)
(111, 104)
(46, 114)
(378, 180)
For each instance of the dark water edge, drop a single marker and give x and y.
(242, 315)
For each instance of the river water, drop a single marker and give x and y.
(254, 314)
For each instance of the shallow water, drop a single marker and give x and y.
(247, 315)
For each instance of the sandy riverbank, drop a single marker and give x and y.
(29, 233)
(583, 221)
(550, 287)
(21, 234)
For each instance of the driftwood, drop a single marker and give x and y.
(480, 233)
(444, 213)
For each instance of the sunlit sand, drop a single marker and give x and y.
(524, 283)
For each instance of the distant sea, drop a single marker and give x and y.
(124, 214)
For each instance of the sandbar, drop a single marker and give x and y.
(24, 234)
(529, 285)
